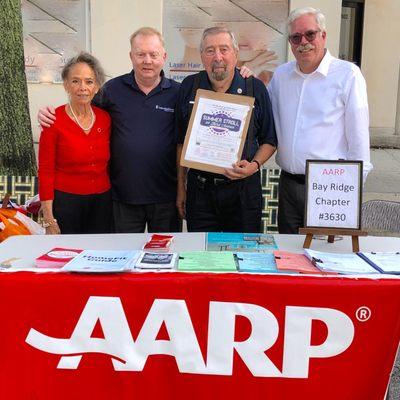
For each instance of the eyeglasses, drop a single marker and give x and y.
(310, 35)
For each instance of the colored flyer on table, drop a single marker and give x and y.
(207, 261)
(248, 242)
(333, 194)
(217, 131)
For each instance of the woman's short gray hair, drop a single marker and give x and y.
(299, 12)
(92, 62)
(215, 30)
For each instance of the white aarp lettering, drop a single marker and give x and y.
(130, 355)
(298, 349)
(221, 339)
(117, 335)
(118, 342)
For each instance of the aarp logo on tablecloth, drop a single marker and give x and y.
(131, 355)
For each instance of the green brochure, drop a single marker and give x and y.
(212, 261)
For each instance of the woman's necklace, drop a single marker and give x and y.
(92, 118)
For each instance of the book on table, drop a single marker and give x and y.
(243, 242)
(158, 243)
(294, 262)
(156, 261)
(102, 261)
(342, 263)
(56, 257)
(207, 261)
(256, 262)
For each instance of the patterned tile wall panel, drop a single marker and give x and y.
(24, 187)
(269, 182)
(20, 187)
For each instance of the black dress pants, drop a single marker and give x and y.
(88, 213)
(133, 218)
(217, 205)
(291, 203)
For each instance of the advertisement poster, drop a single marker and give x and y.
(259, 27)
(54, 31)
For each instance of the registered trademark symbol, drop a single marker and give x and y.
(363, 314)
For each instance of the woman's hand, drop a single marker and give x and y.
(53, 229)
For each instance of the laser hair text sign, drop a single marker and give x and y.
(333, 194)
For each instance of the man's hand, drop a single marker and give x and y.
(242, 169)
(181, 200)
(46, 116)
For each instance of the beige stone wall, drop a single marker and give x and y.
(380, 62)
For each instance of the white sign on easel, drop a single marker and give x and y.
(333, 194)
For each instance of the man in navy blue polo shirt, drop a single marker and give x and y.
(143, 142)
(231, 202)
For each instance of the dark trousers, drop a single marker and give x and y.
(159, 217)
(88, 213)
(292, 191)
(225, 206)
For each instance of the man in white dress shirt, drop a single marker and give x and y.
(320, 109)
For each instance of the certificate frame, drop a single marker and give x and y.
(355, 178)
(185, 161)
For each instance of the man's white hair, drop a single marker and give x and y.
(299, 12)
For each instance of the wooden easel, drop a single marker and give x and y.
(331, 232)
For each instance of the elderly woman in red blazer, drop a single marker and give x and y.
(74, 153)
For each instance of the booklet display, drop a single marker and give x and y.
(159, 243)
(56, 258)
(256, 262)
(151, 261)
(385, 262)
(294, 262)
(102, 261)
(248, 242)
(207, 261)
(350, 263)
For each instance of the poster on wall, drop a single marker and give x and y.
(54, 31)
(259, 27)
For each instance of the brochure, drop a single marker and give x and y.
(256, 262)
(158, 243)
(294, 262)
(156, 261)
(102, 261)
(207, 261)
(385, 262)
(343, 263)
(56, 258)
(243, 242)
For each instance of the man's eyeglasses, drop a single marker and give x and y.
(310, 35)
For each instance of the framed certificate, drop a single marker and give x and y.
(333, 194)
(217, 131)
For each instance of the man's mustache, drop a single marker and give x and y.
(305, 47)
(217, 64)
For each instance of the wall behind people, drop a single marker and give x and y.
(380, 62)
(111, 24)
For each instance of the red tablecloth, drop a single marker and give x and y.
(324, 338)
